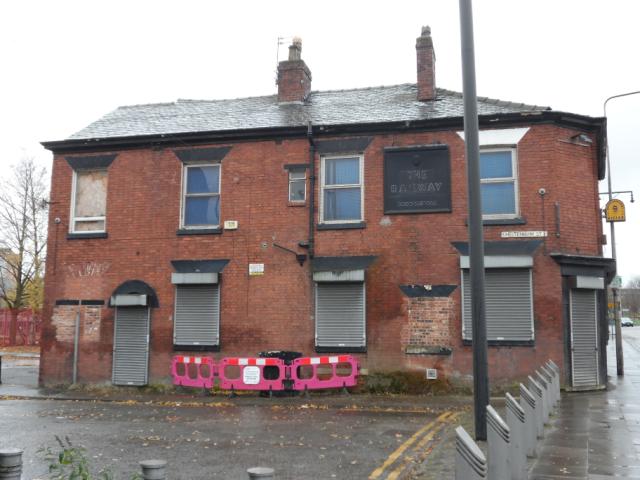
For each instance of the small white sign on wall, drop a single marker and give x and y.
(525, 234)
(256, 269)
(251, 375)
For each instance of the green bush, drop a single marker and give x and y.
(71, 463)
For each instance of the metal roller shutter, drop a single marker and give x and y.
(584, 338)
(131, 346)
(509, 304)
(340, 315)
(197, 317)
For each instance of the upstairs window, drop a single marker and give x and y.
(499, 183)
(342, 187)
(297, 186)
(201, 202)
(89, 201)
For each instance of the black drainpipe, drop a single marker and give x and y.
(312, 187)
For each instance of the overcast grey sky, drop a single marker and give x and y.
(66, 63)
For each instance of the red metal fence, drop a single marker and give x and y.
(29, 327)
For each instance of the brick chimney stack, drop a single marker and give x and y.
(426, 66)
(294, 77)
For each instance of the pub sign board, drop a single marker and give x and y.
(417, 179)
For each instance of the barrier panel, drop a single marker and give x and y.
(190, 371)
(498, 446)
(267, 374)
(313, 373)
(471, 464)
(517, 449)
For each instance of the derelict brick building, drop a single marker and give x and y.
(325, 221)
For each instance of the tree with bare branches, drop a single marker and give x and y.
(23, 233)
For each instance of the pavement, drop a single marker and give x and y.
(592, 435)
(596, 435)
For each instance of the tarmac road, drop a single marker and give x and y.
(301, 438)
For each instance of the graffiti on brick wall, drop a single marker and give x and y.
(87, 269)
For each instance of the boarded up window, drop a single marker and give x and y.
(90, 202)
(197, 319)
(340, 315)
(508, 302)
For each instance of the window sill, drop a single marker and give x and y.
(199, 231)
(341, 226)
(296, 204)
(504, 343)
(84, 236)
(196, 348)
(417, 350)
(341, 349)
(502, 221)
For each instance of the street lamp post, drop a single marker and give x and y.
(476, 240)
(615, 290)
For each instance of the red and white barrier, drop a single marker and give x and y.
(204, 376)
(252, 374)
(329, 366)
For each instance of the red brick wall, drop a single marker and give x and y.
(274, 311)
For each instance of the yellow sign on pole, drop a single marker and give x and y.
(614, 211)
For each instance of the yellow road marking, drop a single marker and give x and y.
(426, 439)
(400, 450)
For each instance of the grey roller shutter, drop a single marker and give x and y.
(131, 346)
(584, 338)
(340, 315)
(509, 304)
(197, 316)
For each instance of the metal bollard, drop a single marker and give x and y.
(497, 446)
(11, 464)
(154, 469)
(546, 392)
(550, 377)
(552, 367)
(517, 448)
(260, 472)
(471, 463)
(536, 389)
(528, 404)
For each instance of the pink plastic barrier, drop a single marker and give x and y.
(252, 374)
(199, 363)
(322, 372)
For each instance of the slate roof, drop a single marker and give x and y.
(395, 103)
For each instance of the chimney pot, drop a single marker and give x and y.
(295, 49)
(426, 63)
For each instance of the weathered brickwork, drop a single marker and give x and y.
(275, 311)
(428, 322)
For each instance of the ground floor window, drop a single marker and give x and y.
(197, 316)
(340, 316)
(509, 304)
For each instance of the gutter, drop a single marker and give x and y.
(312, 188)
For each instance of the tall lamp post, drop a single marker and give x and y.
(476, 239)
(615, 290)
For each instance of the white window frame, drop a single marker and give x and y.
(346, 185)
(513, 179)
(303, 179)
(74, 219)
(183, 196)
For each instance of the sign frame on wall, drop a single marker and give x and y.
(417, 179)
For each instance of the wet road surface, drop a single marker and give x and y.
(300, 439)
